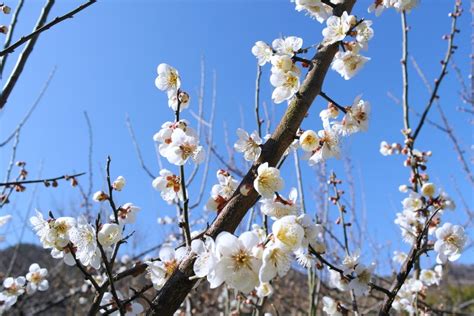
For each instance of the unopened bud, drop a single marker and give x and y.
(100, 196)
(6, 9)
(119, 183)
(183, 97)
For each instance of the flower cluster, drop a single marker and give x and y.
(348, 62)
(222, 192)
(326, 143)
(35, 280)
(285, 75)
(178, 142)
(74, 239)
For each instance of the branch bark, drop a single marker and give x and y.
(173, 293)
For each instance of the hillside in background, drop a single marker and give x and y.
(290, 297)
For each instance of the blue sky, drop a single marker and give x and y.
(106, 59)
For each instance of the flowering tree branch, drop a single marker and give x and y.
(178, 286)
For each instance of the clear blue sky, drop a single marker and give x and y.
(106, 60)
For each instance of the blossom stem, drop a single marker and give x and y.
(185, 209)
(327, 98)
(111, 190)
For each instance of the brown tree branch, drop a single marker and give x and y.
(179, 285)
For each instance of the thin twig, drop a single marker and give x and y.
(406, 107)
(451, 48)
(65, 177)
(38, 30)
(8, 37)
(23, 57)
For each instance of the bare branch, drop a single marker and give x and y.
(65, 177)
(451, 48)
(9, 35)
(41, 28)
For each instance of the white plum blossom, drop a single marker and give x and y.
(277, 207)
(363, 275)
(249, 145)
(386, 149)
(268, 180)
(314, 8)
(36, 278)
(263, 52)
(286, 85)
(159, 271)
(403, 5)
(288, 232)
(54, 235)
(100, 196)
(109, 234)
(237, 266)
(168, 78)
(330, 306)
(445, 202)
(410, 224)
(328, 146)
(183, 147)
(450, 242)
(428, 189)
(378, 6)
(13, 288)
(169, 185)
(163, 136)
(431, 277)
(413, 202)
(83, 236)
(283, 63)
(332, 112)
(126, 213)
(364, 33)
(356, 118)
(337, 281)
(288, 45)
(313, 234)
(337, 28)
(348, 63)
(119, 183)
(309, 140)
(350, 262)
(275, 261)
(406, 296)
(222, 192)
(206, 258)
